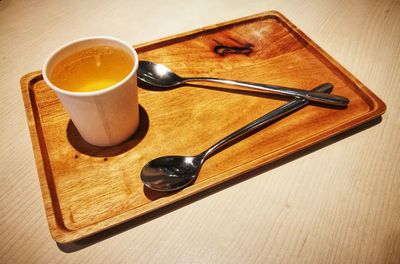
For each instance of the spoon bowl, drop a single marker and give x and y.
(180, 171)
(158, 75)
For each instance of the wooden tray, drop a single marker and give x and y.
(87, 189)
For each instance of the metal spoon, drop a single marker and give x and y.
(159, 75)
(170, 173)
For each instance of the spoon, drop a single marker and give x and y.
(170, 173)
(160, 76)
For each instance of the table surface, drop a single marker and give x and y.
(338, 202)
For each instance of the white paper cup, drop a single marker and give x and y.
(105, 117)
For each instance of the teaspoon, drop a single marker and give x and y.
(170, 173)
(160, 76)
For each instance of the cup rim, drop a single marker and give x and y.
(92, 93)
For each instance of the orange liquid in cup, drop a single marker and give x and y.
(92, 69)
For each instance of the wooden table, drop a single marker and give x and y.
(337, 202)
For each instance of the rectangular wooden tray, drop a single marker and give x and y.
(87, 189)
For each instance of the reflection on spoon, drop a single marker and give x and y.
(170, 173)
(160, 76)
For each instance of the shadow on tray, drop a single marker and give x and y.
(86, 242)
(82, 146)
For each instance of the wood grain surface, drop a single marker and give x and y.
(87, 189)
(335, 203)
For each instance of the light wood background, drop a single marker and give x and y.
(338, 202)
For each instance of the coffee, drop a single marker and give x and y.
(92, 69)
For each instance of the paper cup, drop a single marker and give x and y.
(105, 117)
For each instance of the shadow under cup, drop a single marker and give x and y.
(104, 117)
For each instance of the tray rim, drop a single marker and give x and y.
(62, 235)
